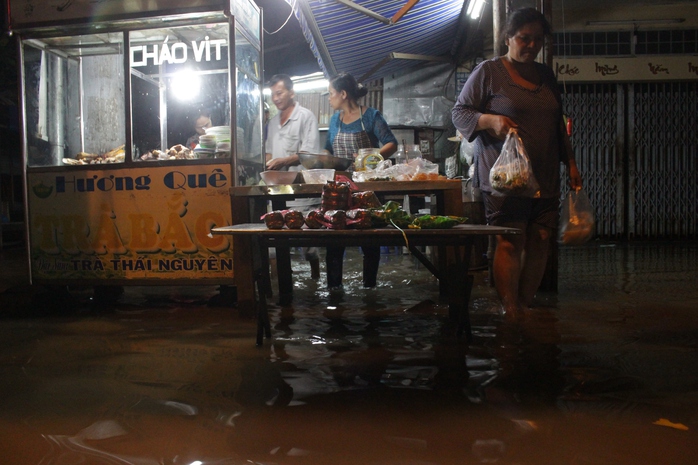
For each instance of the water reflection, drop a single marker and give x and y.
(373, 377)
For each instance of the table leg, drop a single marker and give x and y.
(461, 285)
(261, 277)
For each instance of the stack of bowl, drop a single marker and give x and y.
(222, 135)
(206, 147)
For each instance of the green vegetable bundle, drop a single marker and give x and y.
(391, 213)
(436, 222)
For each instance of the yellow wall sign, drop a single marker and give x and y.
(138, 223)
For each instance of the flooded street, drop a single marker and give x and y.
(604, 372)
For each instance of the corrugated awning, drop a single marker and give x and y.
(344, 37)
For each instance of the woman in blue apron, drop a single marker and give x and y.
(354, 127)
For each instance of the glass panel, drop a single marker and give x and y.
(180, 88)
(74, 97)
(246, 56)
(248, 116)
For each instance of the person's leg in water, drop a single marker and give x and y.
(535, 260)
(312, 256)
(372, 257)
(507, 270)
(334, 262)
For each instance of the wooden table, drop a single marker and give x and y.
(249, 203)
(453, 275)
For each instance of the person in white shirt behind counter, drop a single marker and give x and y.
(292, 130)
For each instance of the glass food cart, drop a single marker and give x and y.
(111, 93)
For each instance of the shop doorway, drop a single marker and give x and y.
(637, 149)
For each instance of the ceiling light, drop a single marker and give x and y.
(475, 8)
(310, 85)
(186, 85)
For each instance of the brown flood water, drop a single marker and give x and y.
(157, 376)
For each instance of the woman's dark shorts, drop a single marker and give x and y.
(505, 210)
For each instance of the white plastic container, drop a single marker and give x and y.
(319, 176)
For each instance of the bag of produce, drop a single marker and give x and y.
(437, 222)
(511, 174)
(577, 219)
(391, 214)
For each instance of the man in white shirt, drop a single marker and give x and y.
(292, 130)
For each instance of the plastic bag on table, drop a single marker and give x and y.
(426, 171)
(512, 174)
(577, 219)
(383, 171)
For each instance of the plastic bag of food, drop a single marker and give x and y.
(293, 219)
(335, 196)
(512, 174)
(577, 219)
(365, 199)
(273, 220)
(391, 214)
(382, 171)
(426, 171)
(315, 219)
(359, 218)
(437, 222)
(336, 219)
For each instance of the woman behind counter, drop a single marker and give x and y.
(354, 127)
(514, 91)
(201, 124)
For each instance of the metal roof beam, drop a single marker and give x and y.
(364, 10)
(317, 37)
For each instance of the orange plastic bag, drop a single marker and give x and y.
(577, 219)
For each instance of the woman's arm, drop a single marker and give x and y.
(567, 157)
(497, 125)
(331, 133)
(470, 115)
(382, 131)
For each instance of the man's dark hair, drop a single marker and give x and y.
(285, 78)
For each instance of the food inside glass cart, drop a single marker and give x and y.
(83, 158)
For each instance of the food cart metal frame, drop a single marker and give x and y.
(82, 220)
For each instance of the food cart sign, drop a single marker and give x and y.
(52, 11)
(135, 223)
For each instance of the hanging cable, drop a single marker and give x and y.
(282, 26)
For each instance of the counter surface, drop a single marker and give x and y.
(311, 190)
